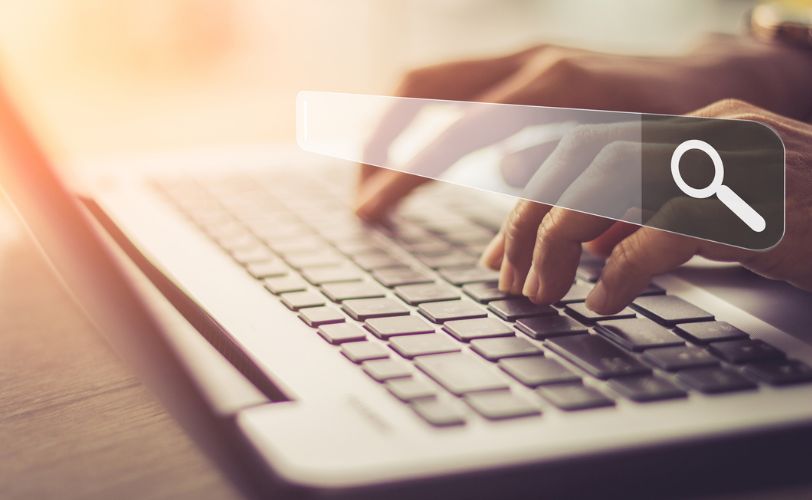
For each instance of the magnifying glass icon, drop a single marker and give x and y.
(726, 195)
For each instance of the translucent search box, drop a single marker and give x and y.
(715, 179)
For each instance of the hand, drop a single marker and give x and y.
(769, 75)
(538, 248)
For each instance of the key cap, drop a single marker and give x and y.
(358, 247)
(484, 292)
(440, 312)
(477, 328)
(504, 347)
(501, 405)
(637, 334)
(544, 327)
(372, 261)
(410, 389)
(425, 248)
(316, 316)
(533, 371)
(385, 369)
(267, 269)
(397, 276)
(712, 331)
(574, 397)
(438, 412)
(679, 358)
(285, 284)
(322, 275)
(520, 307)
(474, 235)
(363, 309)
(430, 292)
(338, 333)
(745, 351)
(398, 325)
(645, 388)
(652, 289)
(579, 311)
(321, 258)
(339, 292)
(577, 293)
(714, 380)
(780, 372)
(358, 352)
(252, 255)
(298, 300)
(463, 275)
(597, 356)
(669, 310)
(410, 346)
(460, 374)
(449, 259)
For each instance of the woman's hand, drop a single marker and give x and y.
(538, 248)
(768, 75)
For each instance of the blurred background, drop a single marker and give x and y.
(111, 76)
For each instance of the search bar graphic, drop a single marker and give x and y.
(715, 179)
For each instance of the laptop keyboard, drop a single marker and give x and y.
(409, 305)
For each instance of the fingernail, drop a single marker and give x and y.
(597, 300)
(506, 276)
(490, 257)
(531, 284)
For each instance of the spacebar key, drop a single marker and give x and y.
(460, 374)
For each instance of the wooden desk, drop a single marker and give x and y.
(74, 422)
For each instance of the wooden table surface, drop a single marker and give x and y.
(74, 421)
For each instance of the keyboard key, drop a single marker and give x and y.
(338, 333)
(322, 275)
(410, 389)
(448, 259)
(252, 255)
(358, 352)
(460, 374)
(652, 289)
(320, 258)
(504, 347)
(316, 316)
(358, 247)
(580, 312)
(397, 276)
(429, 247)
(463, 275)
(520, 307)
(573, 397)
(298, 300)
(500, 405)
(536, 370)
(267, 269)
(714, 380)
(339, 292)
(780, 372)
(712, 331)
(680, 358)
(484, 292)
(645, 388)
(438, 412)
(477, 328)
(577, 293)
(410, 346)
(440, 312)
(363, 309)
(745, 351)
(285, 284)
(430, 292)
(637, 334)
(386, 369)
(669, 310)
(597, 356)
(398, 325)
(589, 269)
(544, 327)
(372, 261)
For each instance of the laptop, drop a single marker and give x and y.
(326, 357)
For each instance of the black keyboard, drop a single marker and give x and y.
(409, 296)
